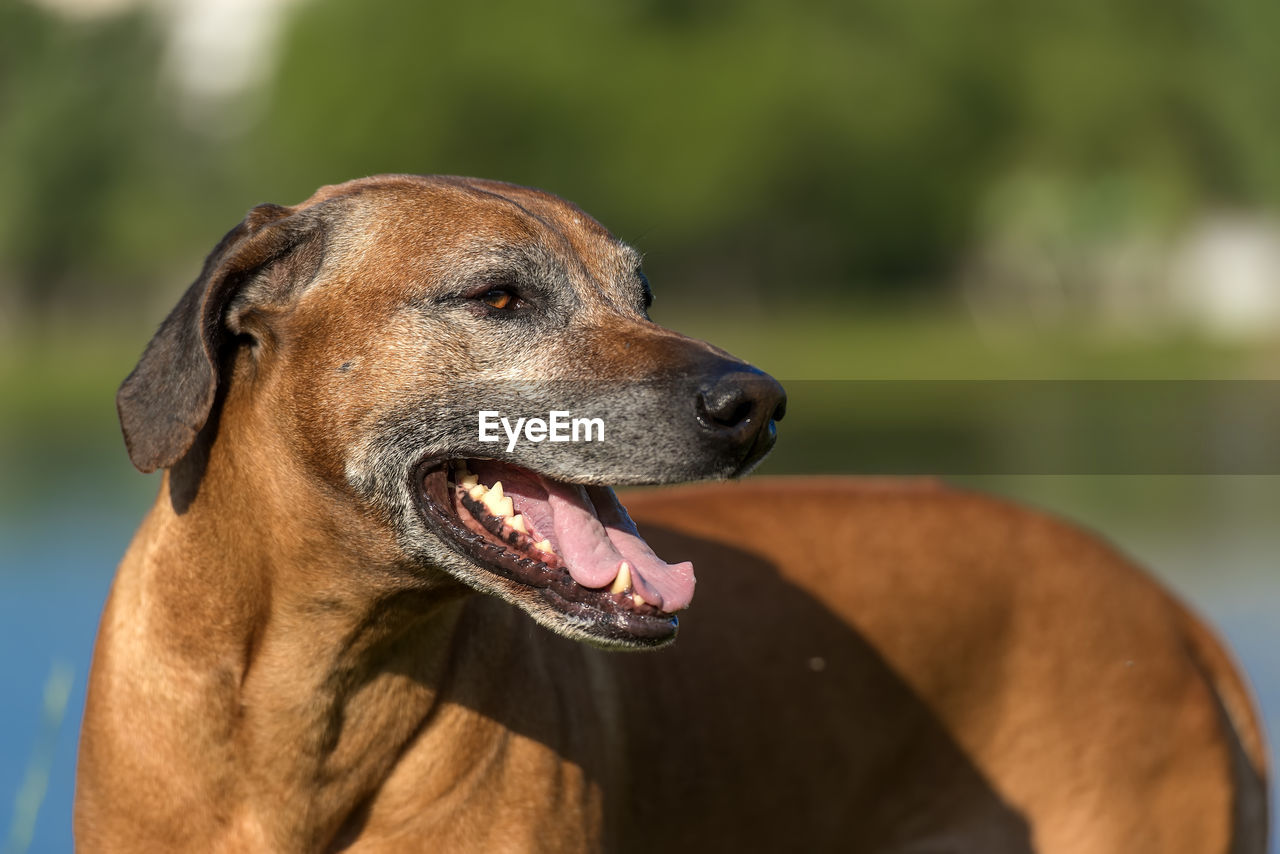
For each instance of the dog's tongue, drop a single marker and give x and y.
(593, 535)
(651, 574)
(580, 538)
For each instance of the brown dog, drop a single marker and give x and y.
(294, 657)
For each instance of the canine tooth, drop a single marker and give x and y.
(477, 492)
(517, 522)
(623, 581)
(637, 598)
(544, 546)
(467, 481)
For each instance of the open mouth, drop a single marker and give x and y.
(573, 547)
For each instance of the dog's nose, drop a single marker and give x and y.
(740, 407)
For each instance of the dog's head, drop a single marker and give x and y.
(470, 366)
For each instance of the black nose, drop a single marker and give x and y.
(739, 407)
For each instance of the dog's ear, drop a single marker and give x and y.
(168, 397)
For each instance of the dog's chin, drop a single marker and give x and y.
(564, 553)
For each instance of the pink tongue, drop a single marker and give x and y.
(650, 573)
(580, 538)
(592, 533)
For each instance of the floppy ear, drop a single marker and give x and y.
(167, 399)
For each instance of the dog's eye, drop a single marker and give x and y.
(500, 298)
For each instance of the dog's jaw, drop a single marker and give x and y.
(614, 616)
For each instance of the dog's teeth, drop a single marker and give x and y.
(517, 522)
(477, 492)
(544, 546)
(497, 503)
(623, 581)
(499, 506)
(491, 500)
(469, 481)
(637, 598)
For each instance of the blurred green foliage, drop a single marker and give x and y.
(747, 146)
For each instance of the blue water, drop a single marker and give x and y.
(54, 580)
(52, 588)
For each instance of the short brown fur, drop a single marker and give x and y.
(868, 666)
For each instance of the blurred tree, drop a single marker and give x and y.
(747, 145)
(803, 142)
(75, 111)
(845, 145)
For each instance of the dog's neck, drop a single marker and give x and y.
(295, 673)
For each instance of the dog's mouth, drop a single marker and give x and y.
(572, 547)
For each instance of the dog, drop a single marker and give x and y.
(351, 622)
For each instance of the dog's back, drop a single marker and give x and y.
(882, 665)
